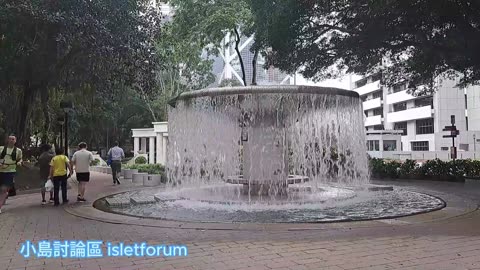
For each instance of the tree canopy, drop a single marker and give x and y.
(208, 22)
(413, 40)
(71, 45)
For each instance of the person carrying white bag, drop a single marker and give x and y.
(44, 164)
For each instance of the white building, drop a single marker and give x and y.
(420, 119)
(151, 142)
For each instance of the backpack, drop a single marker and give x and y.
(4, 153)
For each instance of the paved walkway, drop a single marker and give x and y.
(452, 243)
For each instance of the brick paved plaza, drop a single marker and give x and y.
(446, 239)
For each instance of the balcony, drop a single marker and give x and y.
(399, 97)
(368, 88)
(410, 114)
(373, 120)
(372, 104)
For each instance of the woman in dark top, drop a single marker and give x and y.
(44, 164)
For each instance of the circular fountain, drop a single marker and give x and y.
(271, 154)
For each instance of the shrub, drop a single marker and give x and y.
(408, 169)
(392, 169)
(148, 168)
(141, 160)
(435, 169)
(95, 162)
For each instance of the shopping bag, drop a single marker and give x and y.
(49, 185)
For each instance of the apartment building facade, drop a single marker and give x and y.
(420, 119)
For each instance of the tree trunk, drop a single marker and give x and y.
(46, 125)
(237, 49)
(24, 113)
(254, 67)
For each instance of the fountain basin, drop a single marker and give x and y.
(226, 204)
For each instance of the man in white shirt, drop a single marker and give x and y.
(81, 160)
(116, 154)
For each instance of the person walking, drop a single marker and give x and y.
(58, 174)
(10, 158)
(44, 163)
(81, 164)
(116, 155)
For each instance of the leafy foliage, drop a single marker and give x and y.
(73, 44)
(405, 39)
(435, 169)
(148, 168)
(140, 160)
(206, 23)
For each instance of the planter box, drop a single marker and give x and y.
(152, 180)
(138, 177)
(128, 173)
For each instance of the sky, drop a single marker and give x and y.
(343, 82)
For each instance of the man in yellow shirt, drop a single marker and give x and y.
(58, 174)
(10, 157)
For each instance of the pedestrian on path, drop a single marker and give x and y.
(81, 164)
(116, 155)
(58, 174)
(44, 164)
(10, 158)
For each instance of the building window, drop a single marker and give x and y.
(425, 126)
(373, 145)
(378, 94)
(378, 111)
(399, 107)
(389, 145)
(444, 148)
(399, 87)
(378, 127)
(466, 103)
(364, 98)
(422, 102)
(463, 147)
(466, 123)
(360, 83)
(377, 77)
(401, 126)
(420, 146)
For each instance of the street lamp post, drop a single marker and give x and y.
(61, 122)
(66, 107)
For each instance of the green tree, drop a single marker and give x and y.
(208, 22)
(66, 45)
(405, 39)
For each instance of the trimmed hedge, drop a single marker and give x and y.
(147, 168)
(435, 169)
(140, 160)
(95, 162)
(150, 169)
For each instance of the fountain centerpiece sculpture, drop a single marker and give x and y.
(266, 138)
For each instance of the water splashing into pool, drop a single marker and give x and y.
(267, 138)
(270, 154)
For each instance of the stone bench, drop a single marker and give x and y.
(143, 199)
(118, 202)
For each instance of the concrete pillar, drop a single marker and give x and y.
(164, 149)
(144, 145)
(160, 146)
(151, 150)
(136, 145)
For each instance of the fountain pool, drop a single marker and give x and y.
(270, 154)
